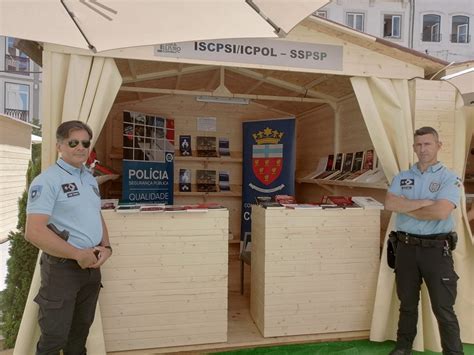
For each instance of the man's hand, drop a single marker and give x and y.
(86, 258)
(103, 255)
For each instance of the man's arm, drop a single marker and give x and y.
(401, 204)
(104, 253)
(38, 234)
(439, 210)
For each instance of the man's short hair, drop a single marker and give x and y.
(427, 130)
(67, 127)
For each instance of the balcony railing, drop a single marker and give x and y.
(17, 64)
(455, 38)
(428, 37)
(19, 114)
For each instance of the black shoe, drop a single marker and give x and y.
(401, 352)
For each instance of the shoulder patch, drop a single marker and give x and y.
(35, 192)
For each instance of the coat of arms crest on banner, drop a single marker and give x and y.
(267, 155)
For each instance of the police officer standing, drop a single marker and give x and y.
(424, 198)
(64, 221)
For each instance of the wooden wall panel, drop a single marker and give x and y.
(15, 154)
(311, 275)
(434, 105)
(314, 139)
(167, 282)
(185, 110)
(354, 135)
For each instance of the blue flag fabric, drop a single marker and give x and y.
(268, 163)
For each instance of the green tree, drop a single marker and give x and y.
(20, 265)
(36, 131)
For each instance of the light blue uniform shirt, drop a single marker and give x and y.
(70, 197)
(436, 183)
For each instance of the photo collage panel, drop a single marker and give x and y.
(147, 137)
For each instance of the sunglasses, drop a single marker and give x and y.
(73, 143)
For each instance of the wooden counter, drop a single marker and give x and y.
(313, 271)
(166, 283)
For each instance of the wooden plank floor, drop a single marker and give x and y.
(242, 331)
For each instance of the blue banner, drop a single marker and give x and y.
(147, 182)
(148, 151)
(268, 163)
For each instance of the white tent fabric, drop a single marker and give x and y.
(115, 24)
(75, 88)
(385, 106)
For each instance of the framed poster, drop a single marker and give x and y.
(148, 156)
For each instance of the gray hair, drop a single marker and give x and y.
(427, 130)
(67, 127)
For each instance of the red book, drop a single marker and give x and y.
(341, 200)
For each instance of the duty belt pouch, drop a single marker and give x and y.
(392, 249)
(453, 240)
(61, 234)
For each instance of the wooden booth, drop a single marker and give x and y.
(173, 281)
(15, 153)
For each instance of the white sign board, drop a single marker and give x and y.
(257, 51)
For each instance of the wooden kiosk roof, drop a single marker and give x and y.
(293, 91)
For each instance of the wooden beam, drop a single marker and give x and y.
(311, 110)
(134, 102)
(133, 71)
(317, 81)
(284, 84)
(254, 87)
(168, 73)
(211, 93)
(180, 75)
(345, 97)
(213, 79)
(273, 109)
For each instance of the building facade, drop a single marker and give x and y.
(20, 83)
(436, 27)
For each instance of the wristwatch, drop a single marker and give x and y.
(109, 247)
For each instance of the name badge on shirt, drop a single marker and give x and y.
(407, 183)
(70, 189)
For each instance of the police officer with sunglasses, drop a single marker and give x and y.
(65, 222)
(424, 198)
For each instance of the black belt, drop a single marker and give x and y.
(439, 240)
(56, 260)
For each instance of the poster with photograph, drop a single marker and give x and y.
(148, 156)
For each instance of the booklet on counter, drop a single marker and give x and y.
(127, 208)
(367, 202)
(152, 208)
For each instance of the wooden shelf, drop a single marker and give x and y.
(322, 182)
(225, 159)
(179, 158)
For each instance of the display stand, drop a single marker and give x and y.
(313, 271)
(166, 284)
